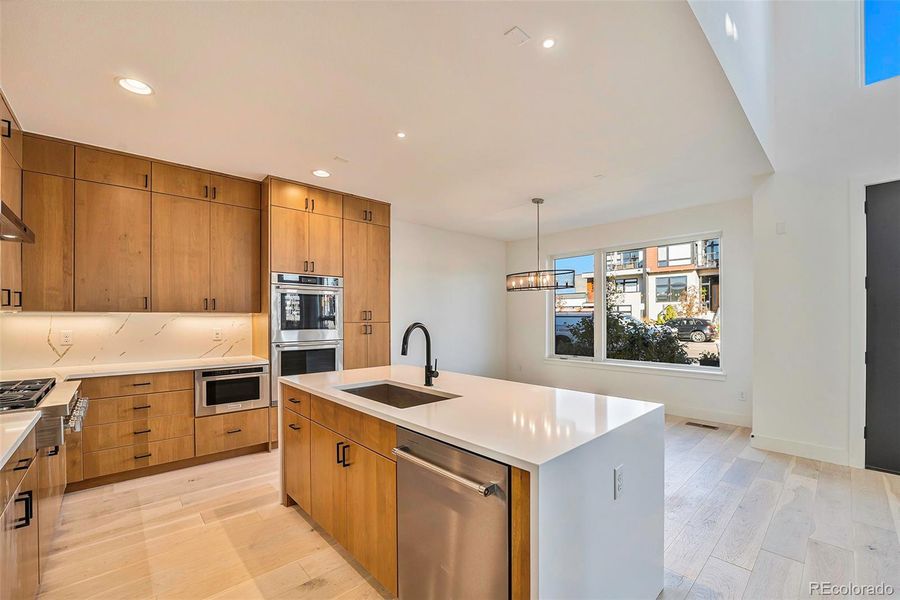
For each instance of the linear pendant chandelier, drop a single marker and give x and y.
(540, 279)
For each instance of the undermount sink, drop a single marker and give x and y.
(396, 395)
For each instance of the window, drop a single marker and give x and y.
(675, 255)
(669, 289)
(881, 24)
(573, 321)
(648, 315)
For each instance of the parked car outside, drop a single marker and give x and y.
(692, 328)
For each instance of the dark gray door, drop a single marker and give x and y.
(883, 327)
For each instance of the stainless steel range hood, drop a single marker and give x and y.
(12, 229)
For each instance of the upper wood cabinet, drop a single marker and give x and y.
(305, 242)
(48, 265)
(301, 197)
(234, 191)
(10, 131)
(51, 157)
(234, 281)
(367, 211)
(181, 181)
(367, 265)
(11, 293)
(325, 248)
(112, 248)
(112, 168)
(180, 254)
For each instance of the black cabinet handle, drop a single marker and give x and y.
(20, 467)
(293, 401)
(306, 204)
(365, 215)
(238, 430)
(206, 304)
(142, 431)
(139, 456)
(314, 205)
(28, 499)
(18, 303)
(146, 406)
(146, 303)
(306, 266)
(7, 293)
(312, 268)
(294, 426)
(53, 451)
(8, 132)
(344, 455)
(214, 193)
(146, 180)
(214, 304)
(143, 383)
(337, 450)
(206, 191)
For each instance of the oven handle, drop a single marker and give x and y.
(308, 345)
(319, 289)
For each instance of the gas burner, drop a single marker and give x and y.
(24, 395)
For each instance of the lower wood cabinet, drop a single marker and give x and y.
(137, 456)
(52, 475)
(354, 498)
(367, 345)
(19, 539)
(139, 431)
(74, 457)
(230, 431)
(296, 451)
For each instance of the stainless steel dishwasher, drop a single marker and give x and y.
(452, 522)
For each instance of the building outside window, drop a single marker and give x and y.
(675, 255)
(669, 289)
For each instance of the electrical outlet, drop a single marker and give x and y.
(65, 337)
(619, 481)
(217, 335)
(742, 397)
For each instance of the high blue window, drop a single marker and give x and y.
(882, 39)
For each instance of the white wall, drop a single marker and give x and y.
(456, 285)
(706, 398)
(32, 340)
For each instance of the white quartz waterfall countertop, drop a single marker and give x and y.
(520, 424)
(14, 428)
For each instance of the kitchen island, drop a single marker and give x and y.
(583, 537)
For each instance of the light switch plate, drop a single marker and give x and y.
(619, 481)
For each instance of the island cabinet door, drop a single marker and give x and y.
(372, 513)
(19, 557)
(328, 501)
(296, 458)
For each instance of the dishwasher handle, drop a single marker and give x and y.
(479, 488)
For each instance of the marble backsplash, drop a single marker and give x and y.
(34, 340)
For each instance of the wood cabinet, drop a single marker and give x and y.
(180, 181)
(296, 435)
(138, 431)
(52, 486)
(305, 230)
(325, 248)
(127, 409)
(295, 400)
(234, 281)
(289, 194)
(112, 248)
(290, 240)
(74, 457)
(50, 157)
(180, 254)
(48, 265)
(112, 168)
(229, 431)
(328, 500)
(137, 456)
(367, 272)
(141, 383)
(367, 345)
(324, 202)
(367, 211)
(20, 539)
(11, 293)
(10, 131)
(234, 191)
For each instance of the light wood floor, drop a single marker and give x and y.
(739, 523)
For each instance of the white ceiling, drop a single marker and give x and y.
(632, 91)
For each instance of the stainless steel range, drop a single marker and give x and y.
(27, 394)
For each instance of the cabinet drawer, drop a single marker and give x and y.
(142, 406)
(15, 468)
(295, 400)
(148, 383)
(236, 430)
(139, 431)
(180, 181)
(111, 168)
(363, 429)
(74, 457)
(126, 458)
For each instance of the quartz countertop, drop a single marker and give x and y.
(14, 427)
(520, 424)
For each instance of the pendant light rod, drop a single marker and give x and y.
(537, 202)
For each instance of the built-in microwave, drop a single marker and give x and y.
(301, 358)
(230, 389)
(306, 308)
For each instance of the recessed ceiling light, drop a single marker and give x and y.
(321, 173)
(401, 134)
(548, 43)
(135, 86)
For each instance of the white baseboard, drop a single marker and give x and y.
(703, 414)
(831, 454)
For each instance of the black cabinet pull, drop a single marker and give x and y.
(214, 304)
(312, 269)
(314, 205)
(53, 451)
(7, 293)
(146, 180)
(20, 467)
(140, 456)
(306, 266)
(365, 215)
(141, 407)
(146, 303)
(294, 426)
(344, 455)
(306, 204)
(8, 132)
(337, 450)
(293, 401)
(142, 431)
(28, 499)
(206, 304)
(143, 383)
(238, 430)
(18, 303)
(214, 192)
(206, 191)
